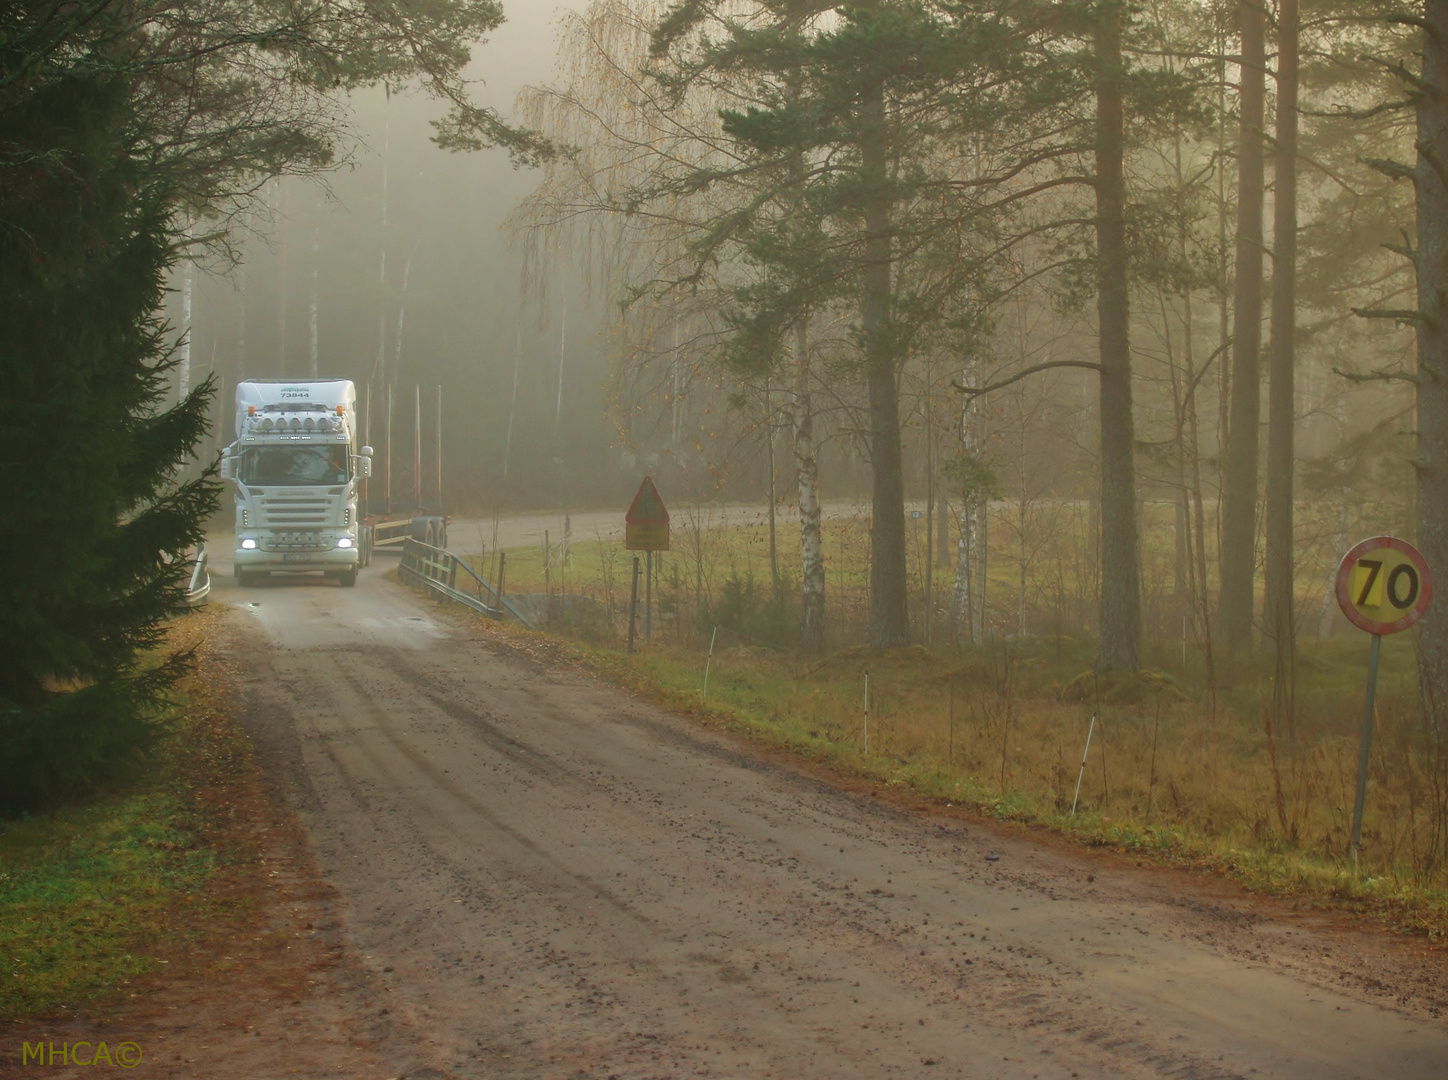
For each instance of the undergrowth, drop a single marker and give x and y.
(93, 893)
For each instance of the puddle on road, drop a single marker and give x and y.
(311, 620)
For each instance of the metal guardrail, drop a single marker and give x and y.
(436, 570)
(391, 534)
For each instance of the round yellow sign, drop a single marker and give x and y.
(1384, 585)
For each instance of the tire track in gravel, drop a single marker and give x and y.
(554, 880)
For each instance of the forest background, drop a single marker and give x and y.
(608, 328)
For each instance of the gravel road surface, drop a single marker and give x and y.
(543, 877)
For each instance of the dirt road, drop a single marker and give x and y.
(543, 877)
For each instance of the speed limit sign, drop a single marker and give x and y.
(1384, 585)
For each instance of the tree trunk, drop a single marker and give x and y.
(889, 610)
(1432, 384)
(1181, 570)
(240, 360)
(942, 529)
(980, 547)
(312, 312)
(1023, 510)
(773, 501)
(1239, 511)
(1279, 616)
(1201, 608)
(562, 353)
(928, 626)
(381, 365)
(183, 349)
(962, 601)
(283, 194)
(811, 539)
(1119, 643)
(1191, 459)
(402, 314)
(513, 401)
(1224, 307)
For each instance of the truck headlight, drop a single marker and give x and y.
(344, 541)
(248, 544)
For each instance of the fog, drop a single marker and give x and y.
(459, 285)
(400, 265)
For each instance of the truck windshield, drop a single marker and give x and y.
(294, 465)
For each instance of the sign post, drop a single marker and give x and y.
(1383, 586)
(646, 529)
(633, 604)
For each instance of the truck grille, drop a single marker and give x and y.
(294, 541)
(293, 511)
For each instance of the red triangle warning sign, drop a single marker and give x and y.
(647, 508)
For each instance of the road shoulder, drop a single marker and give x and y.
(269, 990)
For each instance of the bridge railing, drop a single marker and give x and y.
(438, 570)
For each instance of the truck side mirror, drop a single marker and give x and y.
(226, 468)
(364, 466)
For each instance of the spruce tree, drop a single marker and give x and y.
(96, 523)
(121, 124)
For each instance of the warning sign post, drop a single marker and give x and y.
(645, 528)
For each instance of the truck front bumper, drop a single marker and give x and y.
(298, 562)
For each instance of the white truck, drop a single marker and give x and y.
(297, 467)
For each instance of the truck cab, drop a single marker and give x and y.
(296, 468)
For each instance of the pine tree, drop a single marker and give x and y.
(1279, 609)
(1430, 179)
(885, 107)
(1119, 647)
(1423, 95)
(1239, 495)
(1098, 81)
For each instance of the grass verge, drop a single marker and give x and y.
(95, 895)
(1000, 730)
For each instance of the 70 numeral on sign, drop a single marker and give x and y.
(1401, 596)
